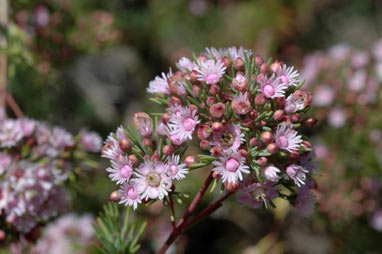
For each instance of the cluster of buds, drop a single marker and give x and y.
(341, 78)
(246, 114)
(35, 159)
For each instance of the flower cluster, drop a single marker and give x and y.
(341, 78)
(68, 234)
(35, 159)
(246, 114)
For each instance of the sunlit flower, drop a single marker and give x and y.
(272, 87)
(231, 166)
(229, 138)
(121, 170)
(287, 138)
(183, 123)
(160, 84)
(211, 71)
(288, 75)
(129, 195)
(175, 170)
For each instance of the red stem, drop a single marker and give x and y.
(13, 105)
(177, 229)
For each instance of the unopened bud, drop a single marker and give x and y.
(204, 131)
(194, 76)
(196, 90)
(260, 99)
(243, 153)
(146, 142)
(264, 68)
(307, 144)
(259, 60)
(253, 114)
(296, 117)
(202, 58)
(241, 107)
(155, 156)
(253, 141)
(266, 137)
(165, 118)
(2, 235)
(310, 122)
(216, 151)
(125, 145)
(168, 150)
(239, 64)
(216, 175)
(190, 160)
(278, 115)
(174, 101)
(134, 160)
(272, 148)
(214, 90)
(287, 119)
(226, 61)
(247, 122)
(294, 156)
(240, 82)
(280, 101)
(217, 127)
(205, 145)
(114, 197)
(210, 100)
(217, 110)
(275, 67)
(262, 161)
(193, 108)
(143, 122)
(262, 123)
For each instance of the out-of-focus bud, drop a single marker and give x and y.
(278, 115)
(210, 100)
(216, 151)
(262, 161)
(34, 235)
(274, 67)
(174, 101)
(196, 90)
(214, 90)
(216, 175)
(266, 137)
(253, 141)
(143, 122)
(146, 142)
(155, 156)
(187, 76)
(114, 197)
(217, 127)
(294, 156)
(190, 160)
(217, 110)
(272, 148)
(247, 122)
(202, 58)
(168, 150)
(310, 122)
(240, 106)
(226, 61)
(287, 119)
(205, 145)
(280, 101)
(307, 144)
(305, 95)
(262, 123)
(125, 145)
(230, 186)
(253, 114)
(165, 118)
(243, 153)
(194, 76)
(240, 82)
(2, 235)
(259, 61)
(204, 131)
(193, 108)
(296, 117)
(264, 68)
(239, 64)
(134, 160)
(260, 99)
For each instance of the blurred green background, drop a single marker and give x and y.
(87, 63)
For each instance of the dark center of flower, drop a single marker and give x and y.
(153, 179)
(227, 139)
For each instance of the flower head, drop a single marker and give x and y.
(160, 84)
(210, 71)
(174, 169)
(287, 138)
(297, 174)
(229, 138)
(129, 195)
(256, 194)
(183, 123)
(271, 172)
(121, 170)
(231, 166)
(288, 75)
(240, 104)
(272, 87)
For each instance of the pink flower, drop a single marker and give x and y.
(121, 170)
(235, 53)
(152, 181)
(27, 126)
(231, 166)
(91, 141)
(337, 117)
(271, 172)
(185, 64)
(182, 123)
(360, 59)
(288, 75)
(240, 104)
(339, 52)
(305, 201)
(218, 54)
(357, 81)
(272, 87)
(229, 138)
(293, 104)
(10, 132)
(376, 220)
(113, 150)
(377, 50)
(160, 84)
(175, 170)
(287, 138)
(323, 96)
(256, 194)
(210, 71)
(129, 195)
(297, 174)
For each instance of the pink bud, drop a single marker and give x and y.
(253, 114)
(146, 142)
(241, 107)
(295, 117)
(190, 160)
(264, 68)
(189, 124)
(277, 116)
(253, 141)
(216, 175)
(217, 110)
(194, 76)
(165, 118)
(275, 67)
(202, 58)
(240, 82)
(155, 156)
(125, 145)
(2, 235)
(280, 101)
(174, 101)
(243, 153)
(262, 161)
(239, 64)
(260, 99)
(210, 100)
(266, 137)
(259, 60)
(134, 160)
(230, 186)
(226, 61)
(168, 150)
(216, 151)
(310, 122)
(214, 90)
(114, 197)
(196, 90)
(204, 131)
(193, 108)
(263, 123)
(217, 127)
(176, 140)
(268, 91)
(205, 145)
(143, 123)
(272, 148)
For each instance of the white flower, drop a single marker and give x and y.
(231, 166)
(174, 169)
(160, 84)
(287, 138)
(210, 71)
